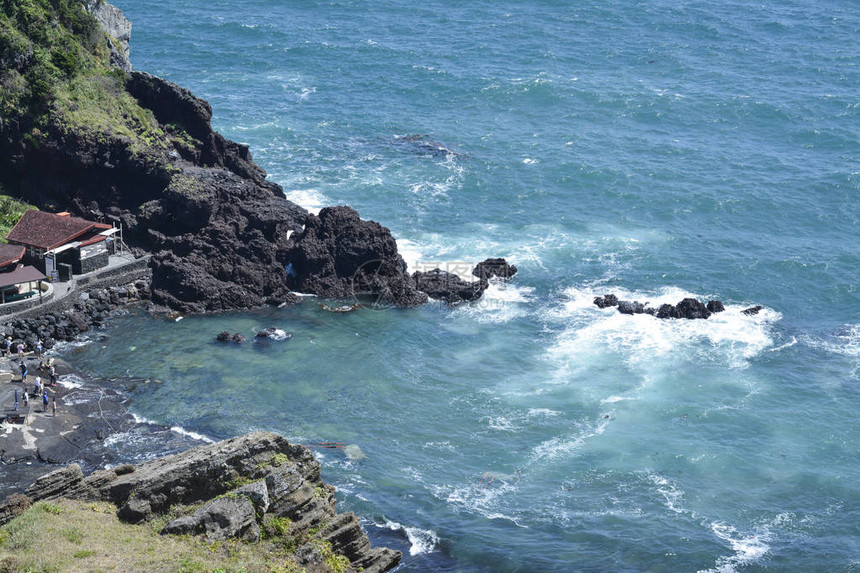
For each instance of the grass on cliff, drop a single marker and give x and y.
(11, 211)
(55, 75)
(72, 536)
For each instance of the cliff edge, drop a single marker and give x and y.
(255, 489)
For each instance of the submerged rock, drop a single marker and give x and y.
(227, 337)
(753, 310)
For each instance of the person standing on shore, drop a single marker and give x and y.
(23, 371)
(39, 350)
(7, 346)
(53, 373)
(54, 406)
(45, 401)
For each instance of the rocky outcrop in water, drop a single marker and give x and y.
(490, 268)
(242, 483)
(339, 255)
(442, 285)
(688, 308)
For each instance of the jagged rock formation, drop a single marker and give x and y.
(339, 255)
(490, 268)
(243, 482)
(442, 285)
(688, 308)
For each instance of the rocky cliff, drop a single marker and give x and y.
(258, 488)
(81, 132)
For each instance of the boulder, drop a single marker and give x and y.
(753, 310)
(490, 268)
(715, 306)
(231, 516)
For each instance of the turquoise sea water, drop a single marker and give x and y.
(653, 149)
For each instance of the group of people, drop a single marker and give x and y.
(39, 389)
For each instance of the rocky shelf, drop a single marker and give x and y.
(256, 488)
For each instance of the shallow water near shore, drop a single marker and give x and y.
(654, 151)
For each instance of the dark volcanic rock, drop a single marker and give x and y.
(716, 306)
(627, 307)
(668, 311)
(606, 301)
(753, 310)
(339, 255)
(225, 336)
(490, 268)
(691, 308)
(442, 285)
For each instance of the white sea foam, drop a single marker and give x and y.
(412, 254)
(543, 412)
(72, 381)
(673, 495)
(278, 334)
(730, 336)
(421, 540)
(190, 434)
(501, 302)
(311, 199)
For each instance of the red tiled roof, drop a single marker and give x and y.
(48, 230)
(21, 275)
(10, 254)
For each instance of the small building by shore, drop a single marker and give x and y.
(60, 245)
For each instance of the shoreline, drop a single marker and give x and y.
(87, 415)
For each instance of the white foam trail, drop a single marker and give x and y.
(421, 540)
(672, 494)
(563, 447)
(748, 548)
(190, 434)
(311, 199)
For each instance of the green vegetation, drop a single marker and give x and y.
(11, 211)
(55, 77)
(71, 536)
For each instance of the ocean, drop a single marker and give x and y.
(657, 150)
